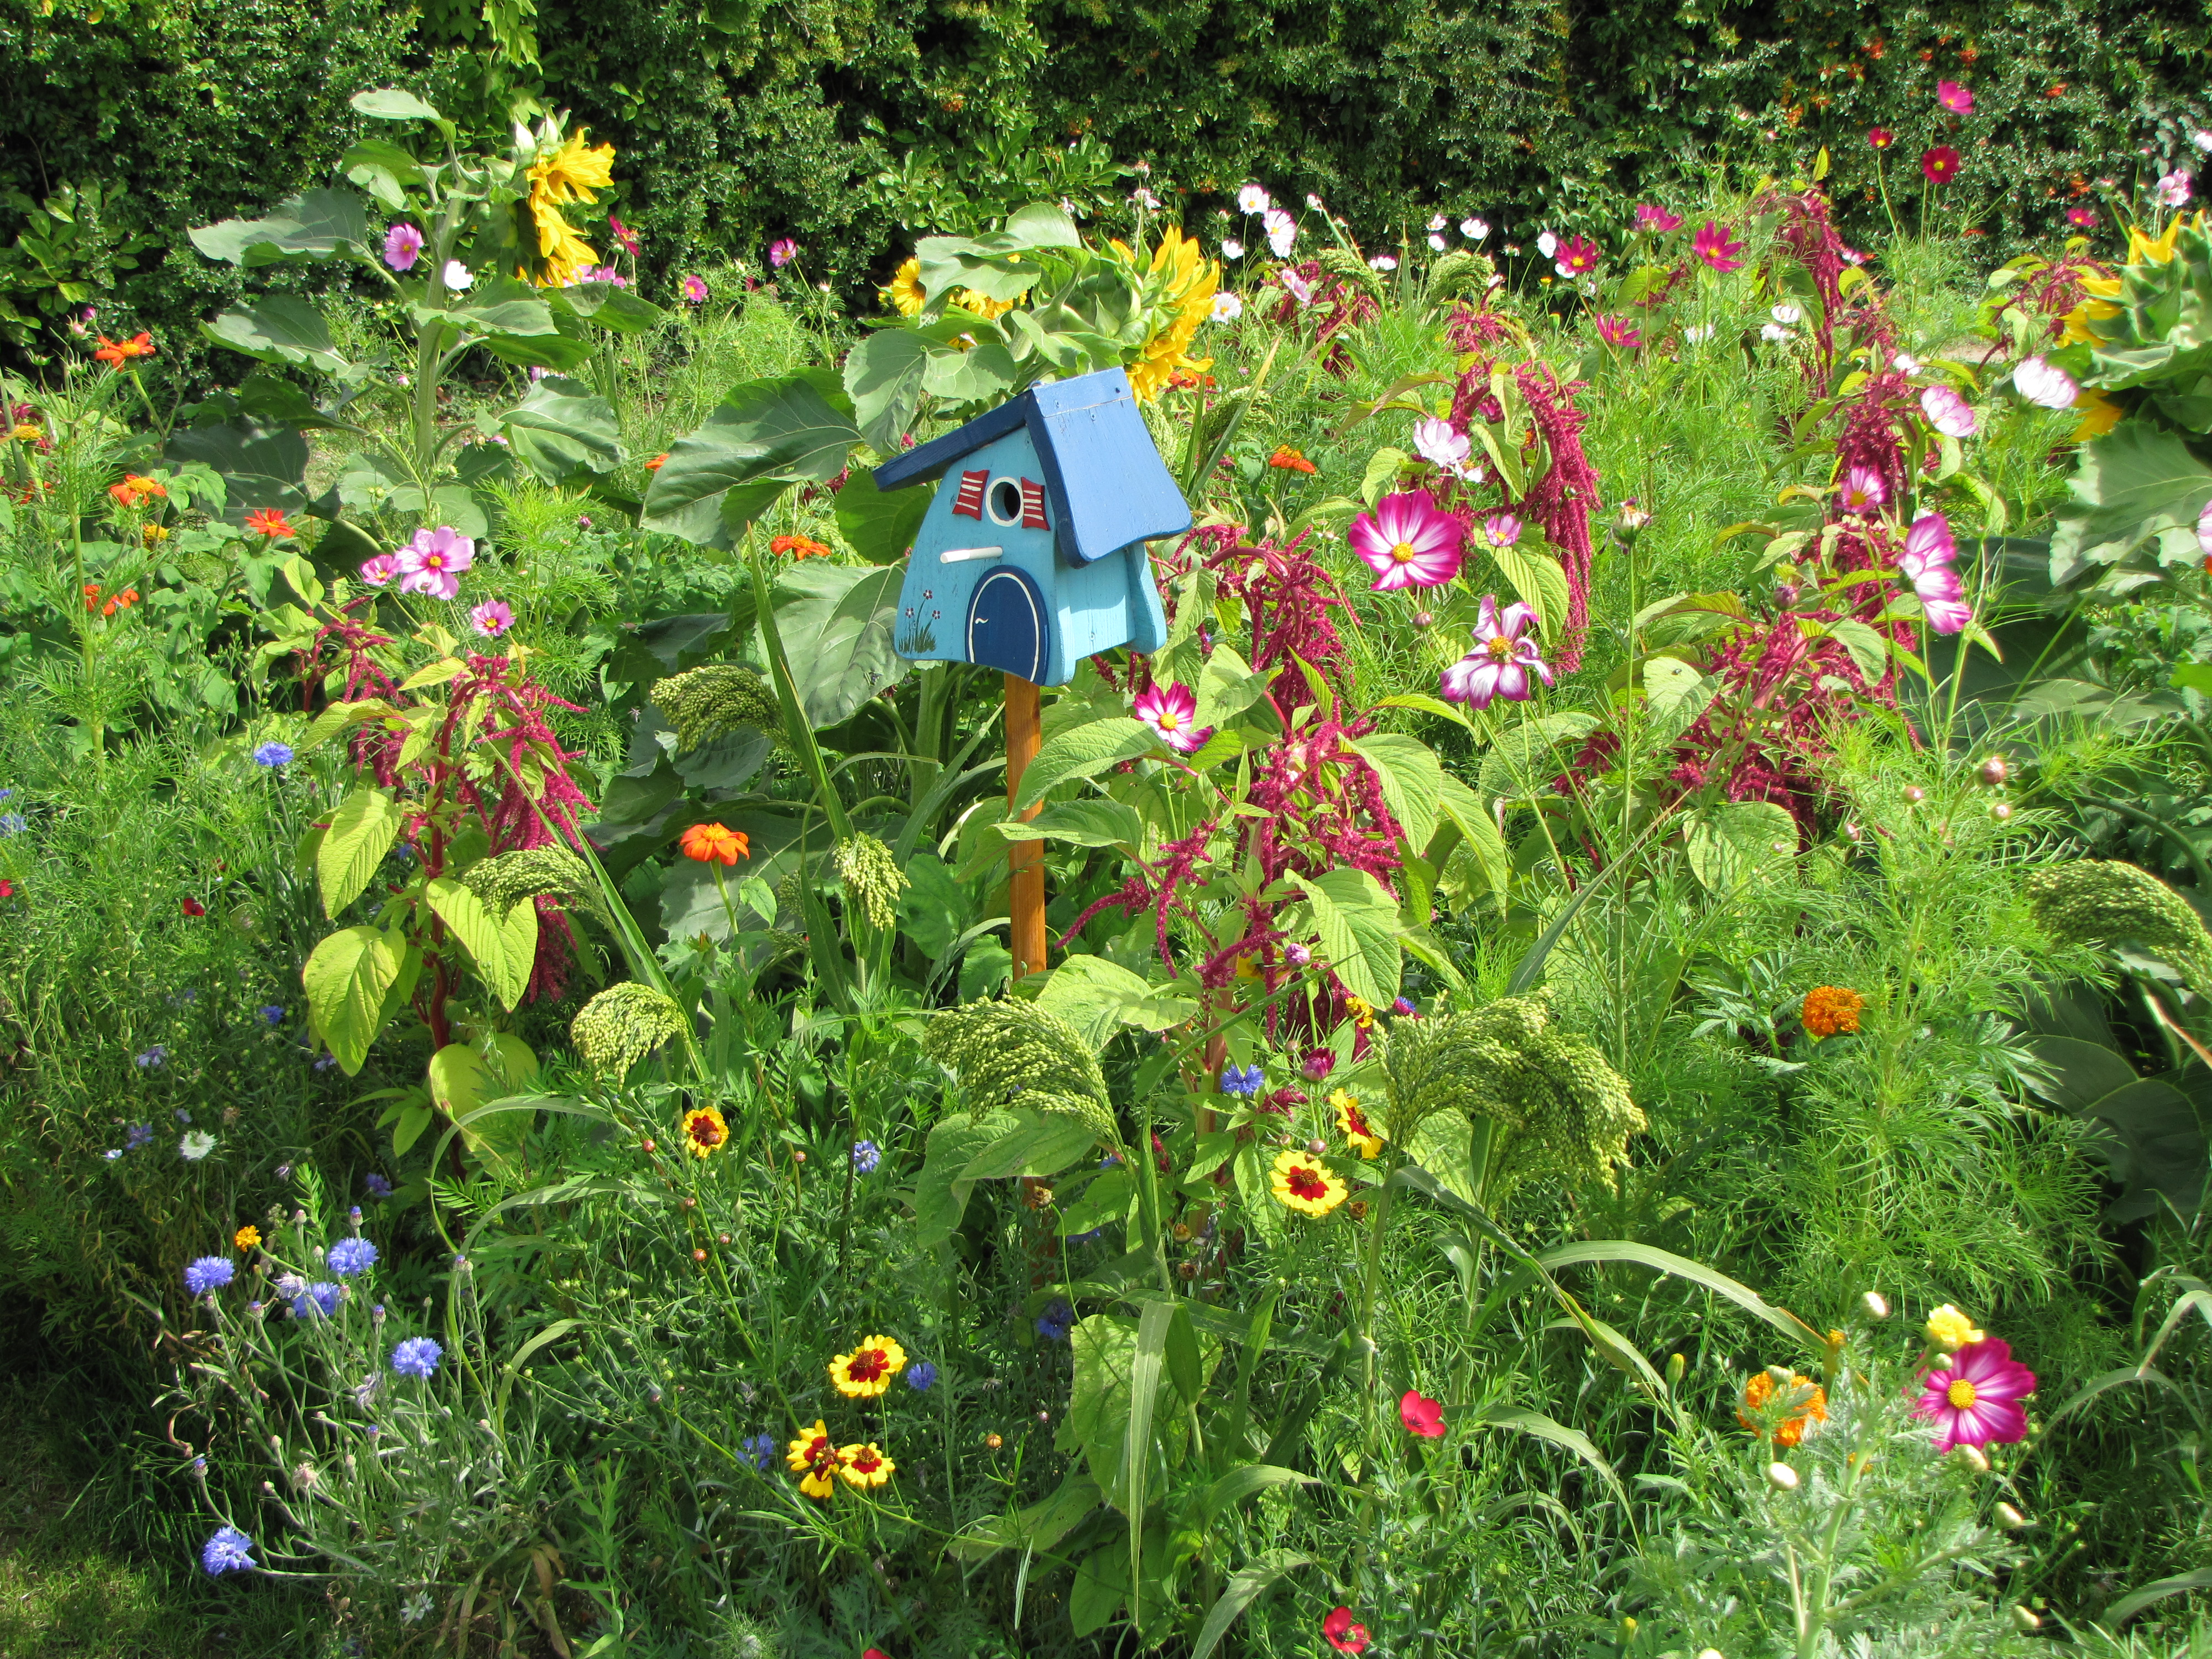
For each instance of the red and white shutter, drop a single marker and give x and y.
(969, 503)
(1033, 506)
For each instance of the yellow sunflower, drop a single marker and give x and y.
(1302, 1183)
(1363, 1136)
(814, 1458)
(904, 294)
(864, 1466)
(2096, 415)
(705, 1131)
(1184, 279)
(571, 173)
(982, 304)
(2147, 250)
(868, 1371)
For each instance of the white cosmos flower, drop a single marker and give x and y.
(1436, 221)
(1774, 331)
(1227, 307)
(1697, 333)
(1232, 249)
(1547, 244)
(458, 278)
(1253, 199)
(2045, 384)
(1787, 314)
(1282, 231)
(1437, 242)
(1904, 363)
(1474, 229)
(195, 1146)
(1384, 261)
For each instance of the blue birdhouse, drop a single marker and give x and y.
(1033, 555)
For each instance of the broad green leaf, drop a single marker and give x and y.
(1104, 1202)
(464, 1079)
(2136, 482)
(383, 169)
(1486, 843)
(1039, 1526)
(1539, 579)
(279, 329)
(1541, 1427)
(941, 1193)
(1521, 760)
(563, 425)
(390, 104)
(1676, 694)
(1735, 843)
(1412, 780)
(883, 378)
(1096, 997)
(1095, 822)
(1096, 1423)
(837, 622)
(1084, 752)
(615, 309)
(1357, 922)
(1042, 1143)
(2135, 1600)
(1101, 1583)
(879, 527)
(766, 433)
(260, 466)
(345, 979)
(1382, 469)
(1443, 1144)
(1869, 649)
(1244, 1481)
(470, 920)
(361, 832)
(1679, 1266)
(313, 225)
(1245, 1586)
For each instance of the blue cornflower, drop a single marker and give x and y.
(227, 1552)
(153, 1060)
(761, 1448)
(350, 1256)
(1091, 1237)
(1056, 1321)
(866, 1156)
(272, 754)
(920, 1375)
(1403, 1005)
(271, 1013)
(1248, 1080)
(317, 1301)
(209, 1273)
(377, 1186)
(13, 824)
(136, 1136)
(419, 1355)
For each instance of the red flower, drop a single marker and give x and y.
(800, 547)
(194, 907)
(270, 521)
(2082, 218)
(1881, 138)
(7, 888)
(1940, 164)
(1342, 1634)
(875, 1653)
(1424, 1416)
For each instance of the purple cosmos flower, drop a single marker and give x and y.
(227, 1552)
(2205, 531)
(378, 570)
(1436, 442)
(350, 1256)
(1656, 218)
(419, 1355)
(781, 252)
(1926, 563)
(1169, 711)
(432, 560)
(1406, 542)
(1948, 412)
(695, 290)
(492, 618)
(1501, 660)
(1977, 1401)
(208, 1273)
(403, 245)
(1717, 247)
(1620, 332)
(2045, 384)
(1863, 490)
(1954, 98)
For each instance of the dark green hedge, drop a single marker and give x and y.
(737, 120)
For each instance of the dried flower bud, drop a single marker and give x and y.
(799, 1155)
(646, 1145)
(2026, 1619)
(1940, 1362)
(1781, 1477)
(2010, 1518)
(1876, 1306)
(1187, 1269)
(1994, 770)
(698, 1256)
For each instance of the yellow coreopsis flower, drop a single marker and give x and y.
(1305, 1184)
(904, 294)
(1352, 1121)
(864, 1465)
(868, 1371)
(814, 1458)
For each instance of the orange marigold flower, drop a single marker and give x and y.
(270, 522)
(120, 352)
(1808, 1409)
(715, 843)
(1831, 1010)
(657, 462)
(800, 547)
(1290, 460)
(136, 491)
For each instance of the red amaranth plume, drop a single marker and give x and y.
(1809, 234)
(1871, 436)
(1336, 304)
(1560, 501)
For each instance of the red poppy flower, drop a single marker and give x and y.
(1340, 1633)
(1940, 164)
(1881, 138)
(1424, 1416)
(194, 907)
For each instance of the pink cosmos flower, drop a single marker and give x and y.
(1436, 443)
(1977, 1401)
(1501, 660)
(1406, 542)
(1948, 412)
(432, 561)
(1939, 164)
(379, 569)
(1422, 1415)
(1282, 231)
(1954, 98)
(1620, 332)
(1863, 490)
(1295, 286)
(623, 234)
(1500, 530)
(1926, 563)
(403, 245)
(1717, 247)
(2205, 531)
(2045, 384)
(1881, 138)
(1169, 710)
(2082, 218)
(1576, 255)
(606, 274)
(695, 290)
(2175, 188)
(781, 252)
(492, 618)
(1648, 217)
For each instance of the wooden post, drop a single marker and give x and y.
(1024, 733)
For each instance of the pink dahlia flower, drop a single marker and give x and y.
(1406, 542)
(492, 618)
(1927, 563)
(1977, 1401)
(378, 570)
(403, 245)
(1648, 217)
(1863, 490)
(1169, 710)
(1948, 412)
(1717, 247)
(1501, 660)
(1954, 98)
(432, 561)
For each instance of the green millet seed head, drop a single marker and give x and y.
(623, 1024)
(872, 877)
(537, 872)
(709, 702)
(2103, 902)
(1016, 1054)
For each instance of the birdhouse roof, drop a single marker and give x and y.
(1107, 483)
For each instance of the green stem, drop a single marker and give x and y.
(787, 696)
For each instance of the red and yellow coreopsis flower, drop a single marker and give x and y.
(868, 1371)
(814, 1458)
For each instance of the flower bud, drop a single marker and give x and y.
(1875, 1307)
(1710, 1653)
(1940, 1362)
(1973, 1457)
(2000, 812)
(1780, 1374)
(1914, 794)
(1317, 1147)
(1425, 619)
(1781, 1477)
(1994, 771)
(646, 1145)
(2010, 1518)
(1675, 1367)
(2026, 1619)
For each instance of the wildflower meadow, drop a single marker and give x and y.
(1195, 910)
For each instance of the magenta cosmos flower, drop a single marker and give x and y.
(432, 561)
(1977, 1401)
(695, 290)
(1650, 217)
(1863, 490)
(1577, 255)
(1501, 660)
(1408, 543)
(781, 252)
(1926, 563)
(1940, 164)
(1171, 710)
(379, 570)
(623, 234)
(1954, 98)
(1881, 138)
(2082, 218)
(1620, 332)
(1717, 247)
(403, 245)
(492, 618)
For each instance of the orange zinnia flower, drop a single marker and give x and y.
(800, 547)
(120, 352)
(715, 843)
(1830, 1010)
(270, 521)
(1290, 460)
(657, 462)
(1810, 1408)
(134, 491)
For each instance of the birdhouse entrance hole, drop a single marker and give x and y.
(1004, 501)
